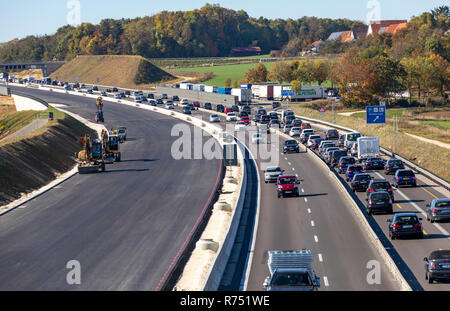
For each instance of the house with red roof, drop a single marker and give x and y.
(390, 26)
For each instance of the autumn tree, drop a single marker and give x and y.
(227, 82)
(258, 74)
(280, 72)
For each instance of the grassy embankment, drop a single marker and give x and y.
(432, 157)
(29, 162)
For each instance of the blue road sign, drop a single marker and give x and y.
(376, 114)
(287, 93)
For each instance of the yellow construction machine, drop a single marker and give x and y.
(92, 158)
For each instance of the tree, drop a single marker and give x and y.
(320, 71)
(235, 84)
(280, 72)
(256, 75)
(227, 82)
(444, 9)
(296, 86)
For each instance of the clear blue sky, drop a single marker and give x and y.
(21, 18)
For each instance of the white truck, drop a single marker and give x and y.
(368, 147)
(291, 271)
(244, 95)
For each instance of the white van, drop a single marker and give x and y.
(350, 139)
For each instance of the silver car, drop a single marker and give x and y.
(272, 173)
(438, 210)
(214, 118)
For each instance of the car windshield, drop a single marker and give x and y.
(440, 255)
(273, 169)
(214, 116)
(381, 185)
(288, 180)
(355, 168)
(362, 177)
(353, 137)
(395, 162)
(380, 196)
(407, 219)
(405, 173)
(291, 142)
(348, 160)
(373, 159)
(291, 279)
(443, 204)
(289, 113)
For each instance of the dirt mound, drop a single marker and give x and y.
(30, 163)
(114, 70)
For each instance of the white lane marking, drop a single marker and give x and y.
(289, 163)
(320, 258)
(417, 207)
(316, 239)
(293, 169)
(312, 223)
(309, 211)
(306, 200)
(303, 190)
(285, 159)
(325, 281)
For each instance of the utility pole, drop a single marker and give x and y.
(396, 134)
(333, 115)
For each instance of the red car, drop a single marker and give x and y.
(287, 185)
(246, 120)
(196, 104)
(305, 126)
(228, 110)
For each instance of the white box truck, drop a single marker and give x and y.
(368, 147)
(291, 271)
(244, 95)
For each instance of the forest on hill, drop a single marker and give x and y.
(211, 31)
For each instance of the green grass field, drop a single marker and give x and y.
(234, 72)
(443, 125)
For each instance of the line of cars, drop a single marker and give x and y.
(380, 192)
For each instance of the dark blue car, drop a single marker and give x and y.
(352, 170)
(404, 178)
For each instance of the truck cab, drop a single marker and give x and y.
(291, 271)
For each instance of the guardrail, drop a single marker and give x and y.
(430, 175)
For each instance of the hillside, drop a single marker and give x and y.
(31, 162)
(211, 31)
(115, 70)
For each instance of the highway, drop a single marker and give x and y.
(436, 236)
(125, 226)
(322, 220)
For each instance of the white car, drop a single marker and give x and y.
(295, 131)
(184, 102)
(311, 140)
(169, 105)
(231, 116)
(214, 118)
(240, 126)
(272, 173)
(257, 138)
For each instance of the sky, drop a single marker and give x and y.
(21, 18)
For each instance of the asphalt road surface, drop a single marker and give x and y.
(124, 226)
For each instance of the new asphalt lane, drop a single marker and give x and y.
(124, 226)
